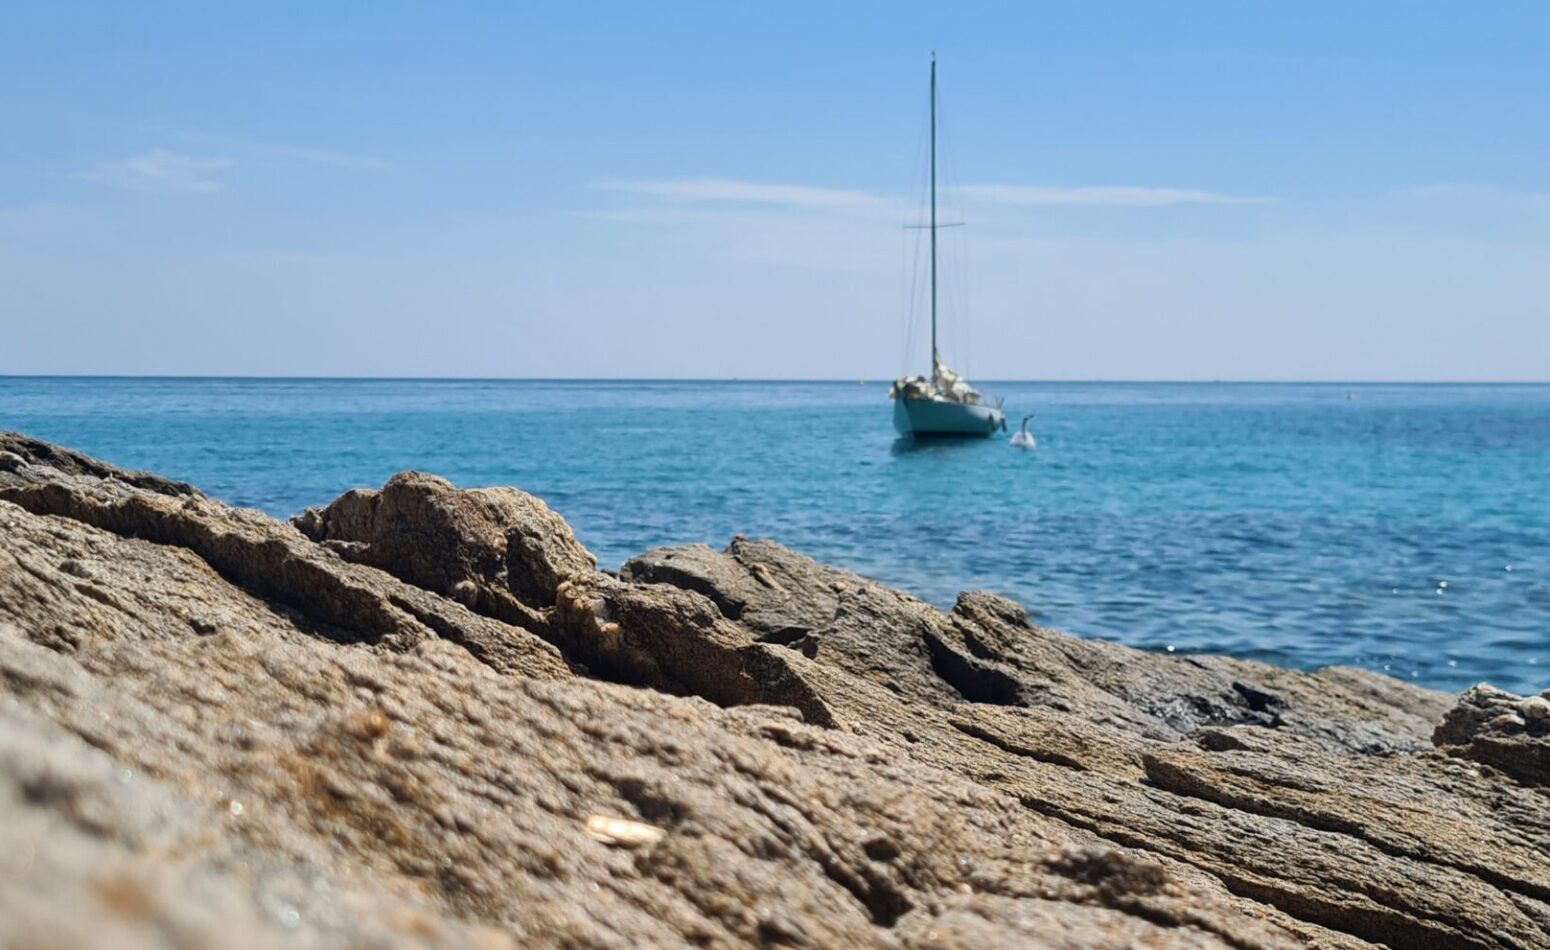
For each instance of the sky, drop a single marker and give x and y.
(1237, 191)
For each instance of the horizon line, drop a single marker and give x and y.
(194, 377)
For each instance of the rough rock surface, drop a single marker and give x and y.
(483, 546)
(1502, 730)
(424, 717)
(345, 602)
(986, 651)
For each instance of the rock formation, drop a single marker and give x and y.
(421, 715)
(1507, 732)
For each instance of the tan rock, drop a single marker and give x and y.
(484, 545)
(1501, 730)
(216, 729)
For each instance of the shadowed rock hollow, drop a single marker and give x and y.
(421, 715)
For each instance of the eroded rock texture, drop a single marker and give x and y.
(484, 546)
(422, 716)
(1504, 731)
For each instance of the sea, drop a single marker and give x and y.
(1403, 528)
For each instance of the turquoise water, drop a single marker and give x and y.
(1304, 524)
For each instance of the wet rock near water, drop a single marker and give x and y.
(421, 715)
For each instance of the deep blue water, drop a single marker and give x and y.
(1303, 524)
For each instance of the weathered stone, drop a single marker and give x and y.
(18, 451)
(215, 728)
(402, 795)
(986, 651)
(501, 542)
(1499, 729)
(271, 560)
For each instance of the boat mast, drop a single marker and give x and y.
(934, 359)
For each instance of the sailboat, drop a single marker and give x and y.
(944, 405)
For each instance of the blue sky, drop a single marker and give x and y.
(1353, 190)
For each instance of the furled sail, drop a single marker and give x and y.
(952, 386)
(945, 385)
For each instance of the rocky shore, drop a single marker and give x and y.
(420, 715)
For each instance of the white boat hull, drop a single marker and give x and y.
(939, 418)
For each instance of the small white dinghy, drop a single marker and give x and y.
(1022, 438)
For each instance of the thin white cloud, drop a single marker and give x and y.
(724, 190)
(733, 191)
(1113, 196)
(276, 151)
(162, 170)
(1460, 193)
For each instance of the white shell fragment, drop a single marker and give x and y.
(623, 832)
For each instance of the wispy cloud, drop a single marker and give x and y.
(724, 190)
(260, 150)
(1454, 201)
(162, 170)
(734, 191)
(1465, 192)
(1113, 196)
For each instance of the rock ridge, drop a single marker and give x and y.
(420, 715)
